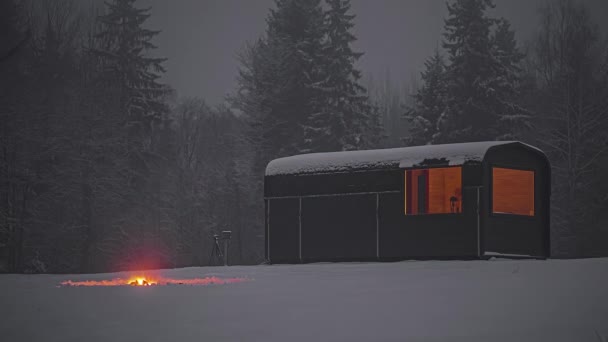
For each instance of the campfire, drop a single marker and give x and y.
(146, 280)
(141, 281)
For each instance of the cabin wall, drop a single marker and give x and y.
(283, 230)
(516, 234)
(430, 235)
(426, 236)
(339, 227)
(335, 215)
(322, 228)
(335, 183)
(367, 225)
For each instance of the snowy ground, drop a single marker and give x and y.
(501, 300)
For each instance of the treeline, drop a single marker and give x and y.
(553, 95)
(101, 169)
(104, 167)
(299, 87)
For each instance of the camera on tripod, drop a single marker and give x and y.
(216, 252)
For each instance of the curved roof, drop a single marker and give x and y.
(393, 158)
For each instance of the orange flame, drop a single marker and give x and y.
(141, 281)
(148, 281)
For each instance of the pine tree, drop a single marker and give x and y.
(278, 78)
(481, 76)
(299, 87)
(363, 122)
(467, 40)
(429, 102)
(295, 39)
(130, 68)
(131, 76)
(370, 132)
(345, 119)
(326, 129)
(276, 87)
(513, 117)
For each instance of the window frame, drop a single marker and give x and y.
(491, 191)
(404, 191)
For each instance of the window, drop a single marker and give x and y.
(512, 191)
(433, 191)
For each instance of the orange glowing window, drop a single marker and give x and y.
(512, 191)
(433, 191)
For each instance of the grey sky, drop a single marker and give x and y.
(202, 38)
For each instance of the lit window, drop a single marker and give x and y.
(433, 191)
(512, 191)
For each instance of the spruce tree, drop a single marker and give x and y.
(350, 99)
(344, 118)
(467, 40)
(299, 87)
(129, 67)
(276, 86)
(326, 129)
(512, 116)
(372, 134)
(295, 41)
(481, 77)
(278, 79)
(131, 76)
(429, 102)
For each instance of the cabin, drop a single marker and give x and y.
(452, 201)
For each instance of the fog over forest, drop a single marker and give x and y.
(202, 38)
(132, 131)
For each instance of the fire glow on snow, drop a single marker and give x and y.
(154, 281)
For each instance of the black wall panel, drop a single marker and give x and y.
(339, 227)
(266, 217)
(337, 183)
(428, 236)
(472, 174)
(283, 230)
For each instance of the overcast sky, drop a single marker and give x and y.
(202, 38)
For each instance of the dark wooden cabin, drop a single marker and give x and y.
(467, 200)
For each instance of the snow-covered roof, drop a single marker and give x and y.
(393, 158)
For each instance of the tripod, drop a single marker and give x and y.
(216, 252)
